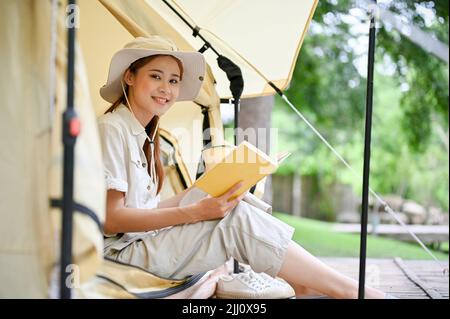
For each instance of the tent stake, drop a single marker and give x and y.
(70, 131)
(366, 172)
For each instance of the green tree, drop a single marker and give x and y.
(426, 101)
(410, 132)
(327, 83)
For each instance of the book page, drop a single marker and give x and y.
(245, 163)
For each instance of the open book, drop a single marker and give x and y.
(244, 163)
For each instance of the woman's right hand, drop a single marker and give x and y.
(217, 207)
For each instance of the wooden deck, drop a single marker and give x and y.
(405, 279)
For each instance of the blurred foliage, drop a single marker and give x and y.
(409, 152)
(425, 74)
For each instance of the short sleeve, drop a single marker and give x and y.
(114, 152)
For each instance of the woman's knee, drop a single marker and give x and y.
(244, 214)
(242, 210)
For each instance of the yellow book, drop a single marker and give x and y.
(244, 163)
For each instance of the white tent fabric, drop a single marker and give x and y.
(240, 30)
(89, 190)
(27, 241)
(31, 153)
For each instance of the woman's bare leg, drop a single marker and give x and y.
(302, 291)
(301, 269)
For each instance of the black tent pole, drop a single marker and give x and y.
(367, 141)
(236, 126)
(70, 132)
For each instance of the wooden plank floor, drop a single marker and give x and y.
(405, 279)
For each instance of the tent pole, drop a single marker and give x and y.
(236, 126)
(70, 132)
(367, 141)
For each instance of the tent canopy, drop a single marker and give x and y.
(262, 37)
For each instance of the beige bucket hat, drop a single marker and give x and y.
(194, 66)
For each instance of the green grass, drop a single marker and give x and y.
(444, 247)
(319, 239)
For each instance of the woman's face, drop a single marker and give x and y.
(155, 87)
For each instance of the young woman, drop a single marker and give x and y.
(145, 79)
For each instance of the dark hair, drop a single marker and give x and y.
(159, 168)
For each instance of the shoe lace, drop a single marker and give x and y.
(270, 280)
(254, 281)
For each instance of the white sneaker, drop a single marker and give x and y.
(279, 282)
(251, 285)
(269, 279)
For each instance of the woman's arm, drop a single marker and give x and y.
(121, 219)
(173, 201)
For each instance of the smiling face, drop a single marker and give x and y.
(154, 87)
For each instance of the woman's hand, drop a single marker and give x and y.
(217, 207)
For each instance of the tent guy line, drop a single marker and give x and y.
(387, 208)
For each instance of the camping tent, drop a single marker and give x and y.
(34, 58)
